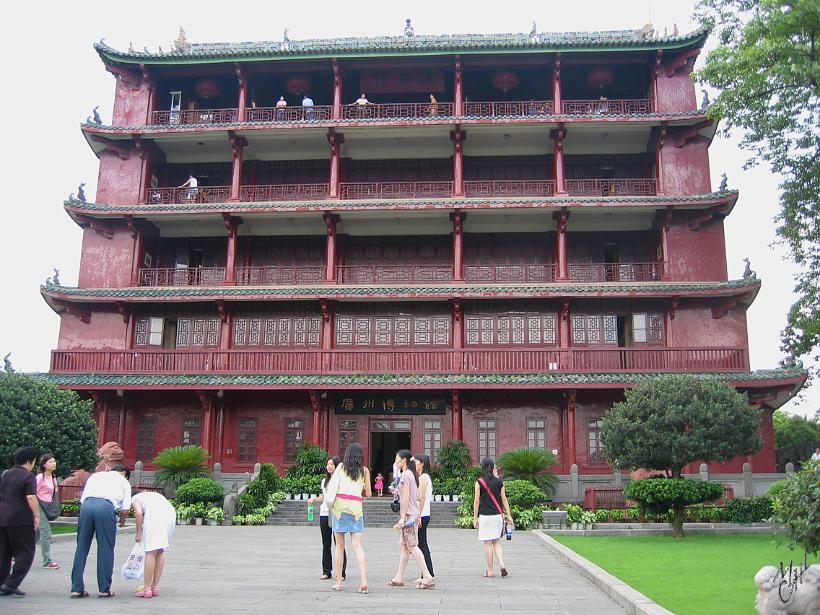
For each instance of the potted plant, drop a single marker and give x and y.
(574, 516)
(587, 518)
(215, 516)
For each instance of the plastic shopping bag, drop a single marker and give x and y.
(135, 564)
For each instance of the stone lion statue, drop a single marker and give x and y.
(776, 596)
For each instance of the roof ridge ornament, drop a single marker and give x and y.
(285, 44)
(181, 44)
(408, 28)
(535, 38)
(648, 31)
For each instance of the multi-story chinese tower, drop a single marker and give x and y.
(400, 241)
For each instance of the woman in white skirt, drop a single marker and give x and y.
(488, 516)
(156, 519)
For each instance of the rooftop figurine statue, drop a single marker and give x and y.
(408, 28)
(94, 118)
(81, 192)
(7, 366)
(748, 273)
(724, 181)
(704, 103)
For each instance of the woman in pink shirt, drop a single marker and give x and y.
(46, 488)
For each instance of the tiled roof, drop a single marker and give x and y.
(443, 290)
(421, 380)
(78, 206)
(625, 40)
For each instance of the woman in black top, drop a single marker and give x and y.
(487, 515)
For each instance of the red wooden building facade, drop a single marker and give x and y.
(494, 264)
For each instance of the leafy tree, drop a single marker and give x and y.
(673, 420)
(767, 67)
(311, 460)
(797, 506)
(34, 412)
(531, 464)
(452, 459)
(179, 464)
(794, 431)
(660, 494)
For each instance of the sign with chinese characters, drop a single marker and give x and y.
(402, 80)
(378, 404)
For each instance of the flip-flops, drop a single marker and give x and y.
(393, 583)
(504, 572)
(108, 594)
(82, 594)
(488, 574)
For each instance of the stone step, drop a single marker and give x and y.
(376, 511)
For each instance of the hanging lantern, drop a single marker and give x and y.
(505, 80)
(298, 84)
(600, 77)
(206, 88)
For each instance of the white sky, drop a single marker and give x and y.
(53, 78)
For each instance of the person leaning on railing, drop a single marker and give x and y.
(281, 105)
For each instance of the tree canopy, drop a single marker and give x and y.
(767, 69)
(37, 413)
(672, 420)
(795, 431)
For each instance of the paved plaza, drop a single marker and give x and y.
(277, 569)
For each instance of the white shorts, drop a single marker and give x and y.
(490, 527)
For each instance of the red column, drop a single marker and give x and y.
(570, 413)
(331, 220)
(327, 334)
(659, 143)
(206, 401)
(101, 405)
(226, 325)
(458, 90)
(665, 225)
(335, 139)
(457, 137)
(237, 148)
(136, 259)
(242, 103)
(458, 431)
(557, 100)
(564, 340)
(121, 425)
(336, 113)
(561, 249)
(457, 324)
(232, 226)
(458, 245)
(558, 135)
(151, 85)
(316, 406)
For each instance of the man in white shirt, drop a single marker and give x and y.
(816, 454)
(105, 494)
(193, 186)
(361, 103)
(307, 103)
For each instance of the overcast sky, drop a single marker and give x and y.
(53, 78)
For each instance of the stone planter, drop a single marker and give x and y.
(456, 499)
(198, 521)
(587, 526)
(213, 522)
(303, 496)
(575, 525)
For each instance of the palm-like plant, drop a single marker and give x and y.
(179, 464)
(530, 464)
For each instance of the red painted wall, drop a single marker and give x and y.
(675, 93)
(106, 263)
(693, 326)
(698, 255)
(119, 180)
(685, 169)
(106, 330)
(130, 103)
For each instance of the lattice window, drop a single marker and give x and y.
(148, 332)
(647, 328)
(511, 328)
(146, 437)
(432, 438)
(192, 431)
(487, 437)
(348, 434)
(294, 438)
(594, 447)
(537, 433)
(594, 329)
(294, 331)
(392, 328)
(246, 451)
(198, 332)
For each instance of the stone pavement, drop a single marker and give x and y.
(276, 570)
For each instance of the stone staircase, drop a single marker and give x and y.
(377, 513)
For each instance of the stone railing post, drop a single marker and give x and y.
(574, 483)
(257, 468)
(136, 476)
(618, 478)
(704, 472)
(790, 469)
(217, 474)
(748, 485)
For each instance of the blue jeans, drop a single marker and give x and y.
(97, 518)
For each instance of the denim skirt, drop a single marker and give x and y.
(347, 523)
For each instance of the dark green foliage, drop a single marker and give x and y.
(748, 510)
(311, 460)
(775, 488)
(204, 490)
(258, 491)
(798, 508)
(269, 476)
(767, 69)
(448, 486)
(452, 459)
(795, 431)
(523, 494)
(658, 495)
(37, 413)
(675, 419)
(530, 464)
(302, 484)
(179, 464)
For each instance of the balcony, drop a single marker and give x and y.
(196, 116)
(394, 274)
(202, 194)
(396, 190)
(182, 276)
(615, 272)
(397, 111)
(278, 276)
(284, 192)
(642, 186)
(510, 273)
(518, 108)
(509, 188)
(409, 361)
(607, 107)
(285, 115)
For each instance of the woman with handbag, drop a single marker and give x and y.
(425, 497)
(488, 516)
(49, 500)
(324, 522)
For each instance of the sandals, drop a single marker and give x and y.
(363, 589)
(140, 591)
(155, 590)
(108, 594)
(431, 584)
(82, 594)
(325, 577)
(504, 572)
(488, 573)
(394, 583)
(52, 566)
(148, 593)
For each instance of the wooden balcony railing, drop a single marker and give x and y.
(607, 107)
(405, 360)
(278, 276)
(202, 194)
(396, 111)
(396, 190)
(182, 276)
(284, 192)
(531, 187)
(393, 274)
(615, 272)
(196, 116)
(510, 273)
(517, 108)
(271, 115)
(643, 186)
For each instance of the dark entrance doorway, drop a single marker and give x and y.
(383, 448)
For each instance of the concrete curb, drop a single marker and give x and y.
(634, 602)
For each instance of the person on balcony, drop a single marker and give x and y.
(193, 187)
(361, 103)
(603, 105)
(281, 105)
(433, 106)
(307, 104)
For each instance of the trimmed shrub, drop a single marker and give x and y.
(205, 490)
(798, 508)
(452, 459)
(775, 488)
(748, 510)
(658, 495)
(523, 494)
(311, 460)
(301, 484)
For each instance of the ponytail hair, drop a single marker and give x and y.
(407, 456)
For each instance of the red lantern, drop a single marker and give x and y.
(600, 77)
(505, 80)
(207, 88)
(298, 84)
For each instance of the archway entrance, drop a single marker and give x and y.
(387, 437)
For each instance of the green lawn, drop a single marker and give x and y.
(698, 575)
(63, 528)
